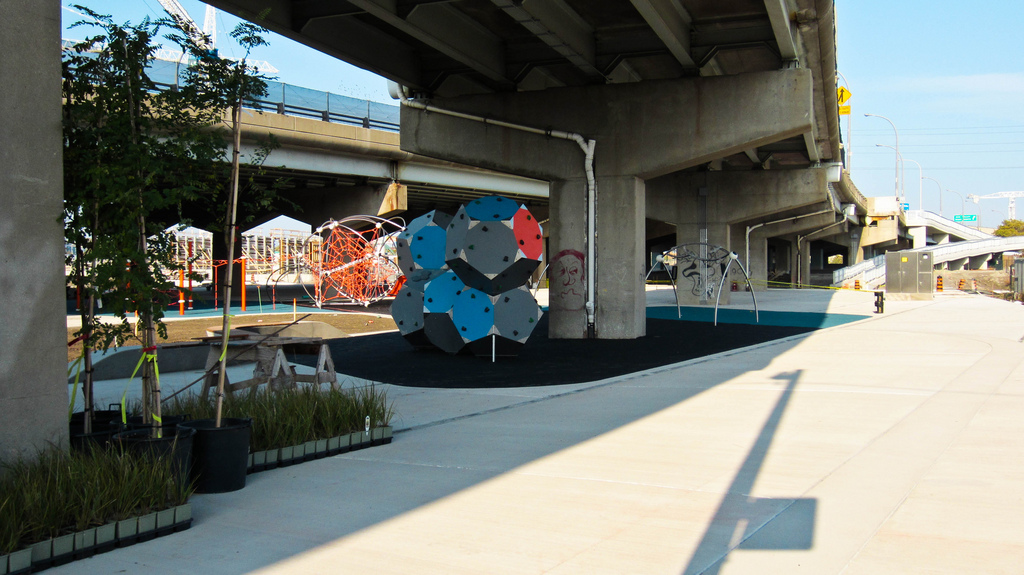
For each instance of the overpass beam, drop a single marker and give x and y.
(643, 131)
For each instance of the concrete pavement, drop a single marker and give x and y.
(889, 445)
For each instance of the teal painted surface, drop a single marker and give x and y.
(774, 318)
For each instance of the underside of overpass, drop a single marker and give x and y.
(709, 116)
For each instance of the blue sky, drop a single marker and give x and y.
(949, 76)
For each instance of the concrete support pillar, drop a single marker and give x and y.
(920, 236)
(567, 271)
(621, 295)
(620, 299)
(33, 388)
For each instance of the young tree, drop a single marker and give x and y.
(1010, 228)
(134, 158)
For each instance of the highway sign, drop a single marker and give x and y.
(906, 206)
(844, 110)
(965, 218)
(843, 94)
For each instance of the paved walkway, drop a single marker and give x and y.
(889, 445)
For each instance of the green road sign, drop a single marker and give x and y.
(965, 218)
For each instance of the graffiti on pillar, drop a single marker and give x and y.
(702, 265)
(567, 280)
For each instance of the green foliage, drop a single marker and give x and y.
(1010, 228)
(137, 159)
(59, 492)
(292, 416)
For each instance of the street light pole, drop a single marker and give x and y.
(961, 202)
(920, 181)
(897, 149)
(940, 191)
(899, 166)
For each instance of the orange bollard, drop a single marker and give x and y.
(856, 285)
(243, 284)
(938, 284)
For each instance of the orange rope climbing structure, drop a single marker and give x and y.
(354, 260)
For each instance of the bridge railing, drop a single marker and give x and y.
(956, 250)
(866, 271)
(287, 99)
(948, 226)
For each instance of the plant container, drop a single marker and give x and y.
(106, 536)
(176, 442)
(19, 561)
(220, 455)
(85, 543)
(41, 552)
(63, 547)
(147, 526)
(127, 531)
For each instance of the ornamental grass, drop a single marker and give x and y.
(286, 417)
(58, 492)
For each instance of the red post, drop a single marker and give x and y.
(243, 284)
(216, 286)
(181, 294)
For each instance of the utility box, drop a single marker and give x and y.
(909, 272)
(1017, 276)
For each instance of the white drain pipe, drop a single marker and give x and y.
(588, 151)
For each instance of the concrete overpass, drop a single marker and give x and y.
(334, 170)
(948, 244)
(651, 120)
(701, 119)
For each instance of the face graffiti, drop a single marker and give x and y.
(566, 279)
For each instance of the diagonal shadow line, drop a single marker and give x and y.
(733, 513)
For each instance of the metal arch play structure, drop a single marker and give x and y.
(354, 260)
(700, 262)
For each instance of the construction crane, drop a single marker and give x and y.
(1011, 211)
(207, 37)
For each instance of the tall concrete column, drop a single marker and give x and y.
(567, 266)
(33, 378)
(621, 294)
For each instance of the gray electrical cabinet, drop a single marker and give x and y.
(1017, 276)
(909, 272)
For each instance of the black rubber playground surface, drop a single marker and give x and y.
(389, 358)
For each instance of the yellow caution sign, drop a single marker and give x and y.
(844, 110)
(843, 94)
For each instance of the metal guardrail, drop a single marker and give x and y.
(957, 250)
(857, 271)
(291, 100)
(871, 270)
(948, 226)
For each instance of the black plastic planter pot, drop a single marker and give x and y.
(220, 455)
(177, 442)
(105, 423)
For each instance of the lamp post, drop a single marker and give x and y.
(920, 182)
(940, 191)
(897, 149)
(900, 159)
(961, 201)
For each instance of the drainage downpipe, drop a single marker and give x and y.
(588, 151)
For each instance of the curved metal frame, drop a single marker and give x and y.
(733, 258)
